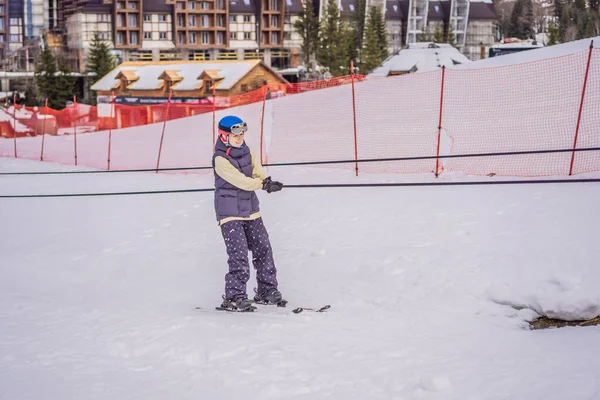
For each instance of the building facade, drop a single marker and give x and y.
(166, 30)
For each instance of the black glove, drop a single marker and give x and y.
(271, 185)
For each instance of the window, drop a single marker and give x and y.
(232, 18)
(191, 5)
(2, 10)
(14, 38)
(181, 38)
(132, 6)
(192, 37)
(14, 21)
(220, 38)
(180, 6)
(120, 38)
(274, 38)
(247, 35)
(120, 20)
(2, 27)
(105, 35)
(246, 18)
(133, 38)
(1, 38)
(205, 21)
(162, 35)
(191, 20)
(120, 5)
(394, 37)
(274, 21)
(148, 35)
(220, 5)
(162, 18)
(180, 19)
(147, 18)
(220, 20)
(205, 6)
(233, 35)
(132, 20)
(274, 5)
(102, 17)
(244, 88)
(205, 38)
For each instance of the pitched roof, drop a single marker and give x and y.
(242, 6)
(481, 10)
(149, 74)
(129, 75)
(293, 6)
(420, 57)
(396, 9)
(436, 11)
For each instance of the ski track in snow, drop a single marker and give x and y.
(431, 290)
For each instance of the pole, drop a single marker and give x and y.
(15, 122)
(262, 122)
(75, 126)
(162, 136)
(354, 116)
(587, 70)
(437, 160)
(112, 99)
(44, 128)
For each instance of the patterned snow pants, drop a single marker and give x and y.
(241, 237)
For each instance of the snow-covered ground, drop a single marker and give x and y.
(427, 287)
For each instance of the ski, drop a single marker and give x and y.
(296, 310)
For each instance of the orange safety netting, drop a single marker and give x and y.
(534, 106)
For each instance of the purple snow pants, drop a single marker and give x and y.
(241, 237)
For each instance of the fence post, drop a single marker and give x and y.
(262, 121)
(112, 99)
(354, 116)
(75, 126)
(437, 154)
(44, 128)
(214, 99)
(162, 136)
(15, 122)
(587, 70)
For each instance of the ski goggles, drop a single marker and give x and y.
(239, 129)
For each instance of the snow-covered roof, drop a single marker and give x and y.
(149, 73)
(532, 55)
(420, 57)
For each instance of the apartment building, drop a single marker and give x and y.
(474, 22)
(22, 23)
(170, 30)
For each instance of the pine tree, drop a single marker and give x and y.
(553, 35)
(424, 36)
(100, 62)
(522, 20)
(45, 73)
(307, 26)
(332, 50)
(65, 83)
(376, 46)
(359, 24)
(438, 34)
(451, 36)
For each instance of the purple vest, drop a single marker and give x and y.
(229, 200)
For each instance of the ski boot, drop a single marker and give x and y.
(239, 305)
(271, 296)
